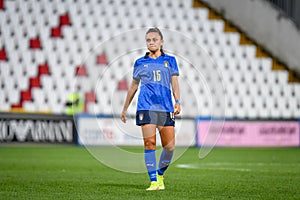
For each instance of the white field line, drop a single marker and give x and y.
(250, 164)
(232, 166)
(191, 166)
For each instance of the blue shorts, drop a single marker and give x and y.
(155, 117)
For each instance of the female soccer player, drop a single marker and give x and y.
(158, 74)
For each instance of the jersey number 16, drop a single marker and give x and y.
(156, 75)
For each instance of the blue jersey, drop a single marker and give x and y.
(155, 76)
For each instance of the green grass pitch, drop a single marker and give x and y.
(70, 172)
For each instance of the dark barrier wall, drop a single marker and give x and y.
(290, 7)
(23, 127)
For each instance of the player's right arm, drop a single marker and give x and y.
(130, 94)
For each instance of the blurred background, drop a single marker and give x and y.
(65, 57)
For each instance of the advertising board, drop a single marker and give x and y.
(106, 130)
(22, 127)
(250, 133)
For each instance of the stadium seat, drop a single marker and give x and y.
(122, 85)
(26, 95)
(47, 83)
(5, 71)
(43, 69)
(93, 108)
(81, 70)
(295, 105)
(83, 84)
(56, 32)
(90, 97)
(1, 4)
(39, 97)
(276, 91)
(64, 20)
(3, 56)
(5, 106)
(281, 77)
(101, 59)
(56, 104)
(261, 106)
(34, 82)
(250, 52)
(23, 82)
(30, 106)
(14, 96)
(273, 106)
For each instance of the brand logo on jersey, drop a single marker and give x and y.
(141, 116)
(145, 65)
(166, 63)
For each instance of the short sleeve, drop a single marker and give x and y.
(136, 70)
(175, 70)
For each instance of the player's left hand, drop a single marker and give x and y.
(177, 109)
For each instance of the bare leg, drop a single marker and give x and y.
(167, 135)
(149, 136)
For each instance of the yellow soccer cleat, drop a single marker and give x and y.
(153, 186)
(160, 181)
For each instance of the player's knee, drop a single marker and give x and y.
(169, 147)
(150, 145)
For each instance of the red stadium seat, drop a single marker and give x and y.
(3, 56)
(123, 85)
(43, 69)
(64, 20)
(90, 97)
(56, 32)
(1, 4)
(81, 70)
(34, 82)
(17, 106)
(101, 59)
(26, 96)
(35, 43)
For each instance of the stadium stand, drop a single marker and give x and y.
(46, 48)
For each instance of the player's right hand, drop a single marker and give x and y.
(177, 109)
(123, 116)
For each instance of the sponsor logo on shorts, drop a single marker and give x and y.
(141, 116)
(172, 116)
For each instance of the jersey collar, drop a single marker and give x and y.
(147, 54)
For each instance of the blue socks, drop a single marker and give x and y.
(150, 161)
(164, 162)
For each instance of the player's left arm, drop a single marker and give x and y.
(176, 94)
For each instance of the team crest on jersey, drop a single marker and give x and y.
(141, 116)
(166, 63)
